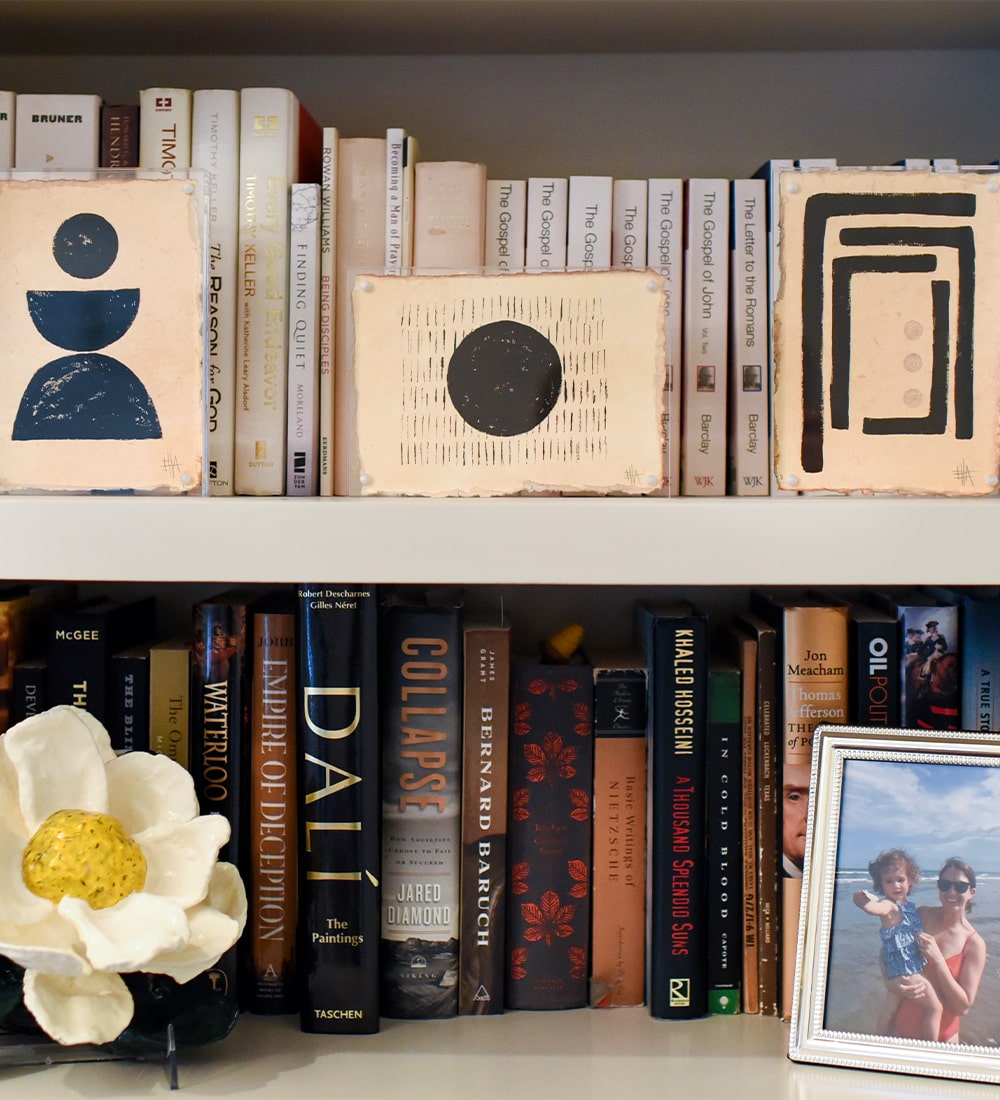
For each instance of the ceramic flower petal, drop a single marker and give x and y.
(212, 934)
(50, 945)
(59, 764)
(227, 893)
(180, 859)
(18, 905)
(10, 810)
(147, 789)
(128, 935)
(94, 1008)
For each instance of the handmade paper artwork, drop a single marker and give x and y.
(887, 332)
(479, 385)
(102, 307)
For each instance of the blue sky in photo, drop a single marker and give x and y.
(932, 810)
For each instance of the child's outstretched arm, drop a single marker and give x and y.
(872, 903)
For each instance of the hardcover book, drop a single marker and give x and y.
(873, 680)
(886, 300)
(400, 165)
(485, 728)
(813, 655)
(339, 806)
(665, 255)
(302, 461)
(280, 144)
(215, 139)
(327, 290)
(274, 885)
(549, 836)
(81, 641)
(7, 101)
(101, 305)
(706, 338)
(421, 721)
(28, 696)
(170, 699)
(674, 638)
(55, 131)
(165, 133)
(979, 646)
(449, 216)
(550, 381)
(618, 901)
(506, 212)
(128, 699)
(119, 135)
(724, 841)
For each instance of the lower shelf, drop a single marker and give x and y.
(581, 1055)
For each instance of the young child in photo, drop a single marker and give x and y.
(894, 874)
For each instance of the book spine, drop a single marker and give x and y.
(339, 804)
(28, 696)
(549, 836)
(220, 743)
(269, 142)
(506, 209)
(629, 222)
(588, 223)
(165, 132)
(128, 700)
(395, 169)
(170, 701)
(748, 391)
(665, 255)
(484, 820)
(706, 338)
(545, 228)
(327, 282)
(449, 216)
(676, 984)
(302, 473)
(421, 810)
(931, 667)
(215, 137)
(979, 622)
(120, 135)
(7, 101)
(723, 792)
(273, 893)
(360, 247)
(57, 132)
(618, 902)
(874, 673)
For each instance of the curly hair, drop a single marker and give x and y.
(894, 857)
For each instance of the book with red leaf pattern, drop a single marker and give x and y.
(551, 769)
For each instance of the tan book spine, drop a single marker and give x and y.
(170, 699)
(449, 216)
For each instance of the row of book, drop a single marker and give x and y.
(433, 817)
(298, 210)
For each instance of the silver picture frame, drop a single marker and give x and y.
(935, 796)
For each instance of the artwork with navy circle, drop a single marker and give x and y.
(101, 297)
(482, 384)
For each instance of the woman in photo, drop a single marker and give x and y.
(955, 954)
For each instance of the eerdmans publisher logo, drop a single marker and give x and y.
(680, 992)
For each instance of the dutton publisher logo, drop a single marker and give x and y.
(680, 992)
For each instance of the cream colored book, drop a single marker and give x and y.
(449, 216)
(165, 116)
(360, 232)
(6, 129)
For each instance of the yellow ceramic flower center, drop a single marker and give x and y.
(81, 854)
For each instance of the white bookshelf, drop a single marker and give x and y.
(621, 87)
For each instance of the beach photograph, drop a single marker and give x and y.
(945, 819)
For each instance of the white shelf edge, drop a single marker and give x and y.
(686, 541)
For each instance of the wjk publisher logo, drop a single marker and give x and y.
(680, 992)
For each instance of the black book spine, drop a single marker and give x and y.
(677, 650)
(128, 704)
(874, 681)
(339, 809)
(220, 745)
(421, 711)
(724, 795)
(28, 696)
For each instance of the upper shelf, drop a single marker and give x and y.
(491, 26)
(686, 541)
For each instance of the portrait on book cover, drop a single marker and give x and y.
(479, 385)
(887, 332)
(900, 921)
(101, 305)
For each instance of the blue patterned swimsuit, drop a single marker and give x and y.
(900, 954)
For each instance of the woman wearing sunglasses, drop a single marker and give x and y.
(955, 953)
